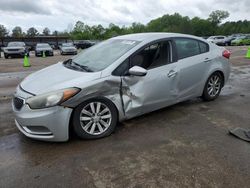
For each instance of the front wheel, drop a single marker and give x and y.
(95, 118)
(213, 87)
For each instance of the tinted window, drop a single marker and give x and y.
(152, 56)
(220, 37)
(203, 47)
(187, 47)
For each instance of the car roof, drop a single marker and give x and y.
(153, 36)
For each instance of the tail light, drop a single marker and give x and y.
(226, 54)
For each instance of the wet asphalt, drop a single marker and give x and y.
(185, 145)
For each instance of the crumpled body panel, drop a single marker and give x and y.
(108, 87)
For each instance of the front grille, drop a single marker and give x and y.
(13, 50)
(18, 103)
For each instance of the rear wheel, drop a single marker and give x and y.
(213, 87)
(95, 118)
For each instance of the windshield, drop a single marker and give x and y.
(14, 44)
(104, 54)
(42, 45)
(67, 44)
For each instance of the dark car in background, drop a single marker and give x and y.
(15, 49)
(43, 48)
(68, 49)
(83, 44)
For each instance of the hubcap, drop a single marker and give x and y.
(95, 118)
(214, 85)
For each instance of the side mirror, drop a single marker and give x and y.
(137, 71)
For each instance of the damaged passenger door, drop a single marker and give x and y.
(150, 82)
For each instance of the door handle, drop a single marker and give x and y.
(207, 60)
(172, 73)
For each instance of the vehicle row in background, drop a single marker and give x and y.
(19, 49)
(236, 40)
(242, 40)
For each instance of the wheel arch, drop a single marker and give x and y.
(117, 107)
(221, 73)
(70, 126)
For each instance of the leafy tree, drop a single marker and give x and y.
(97, 32)
(167, 23)
(217, 16)
(3, 31)
(55, 33)
(32, 32)
(46, 31)
(17, 32)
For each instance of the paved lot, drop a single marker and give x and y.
(186, 145)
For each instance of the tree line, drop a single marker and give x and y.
(167, 23)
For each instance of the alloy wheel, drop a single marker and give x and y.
(95, 118)
(214, 85)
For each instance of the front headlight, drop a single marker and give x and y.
(52, 98)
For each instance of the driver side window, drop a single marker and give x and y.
(153, 56)
(150, 57)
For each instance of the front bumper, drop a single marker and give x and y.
(68, 52)
(49, 124)
(47, 53)
(18, 53)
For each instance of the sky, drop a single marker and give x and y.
(61, 15)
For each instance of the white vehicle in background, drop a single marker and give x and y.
(219, 40)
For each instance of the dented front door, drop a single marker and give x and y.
(153, 91)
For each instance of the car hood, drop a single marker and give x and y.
(40, 49)
(56, 77)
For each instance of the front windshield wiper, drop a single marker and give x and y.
(86, 68)
(71, 64)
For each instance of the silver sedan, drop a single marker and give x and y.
(115, 80)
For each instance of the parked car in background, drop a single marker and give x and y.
(219, 40)
(15, 49)
(246, 40)
(83, 44)
(43, 48)
(118, 79)
(228, 40)
(68, 49)
(242, 40)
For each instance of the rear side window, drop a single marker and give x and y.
(189, 47)
(203, 47)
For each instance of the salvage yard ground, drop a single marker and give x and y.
(185, 145)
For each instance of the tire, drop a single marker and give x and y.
(95, 126)
(6, 56)
(213, 87)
